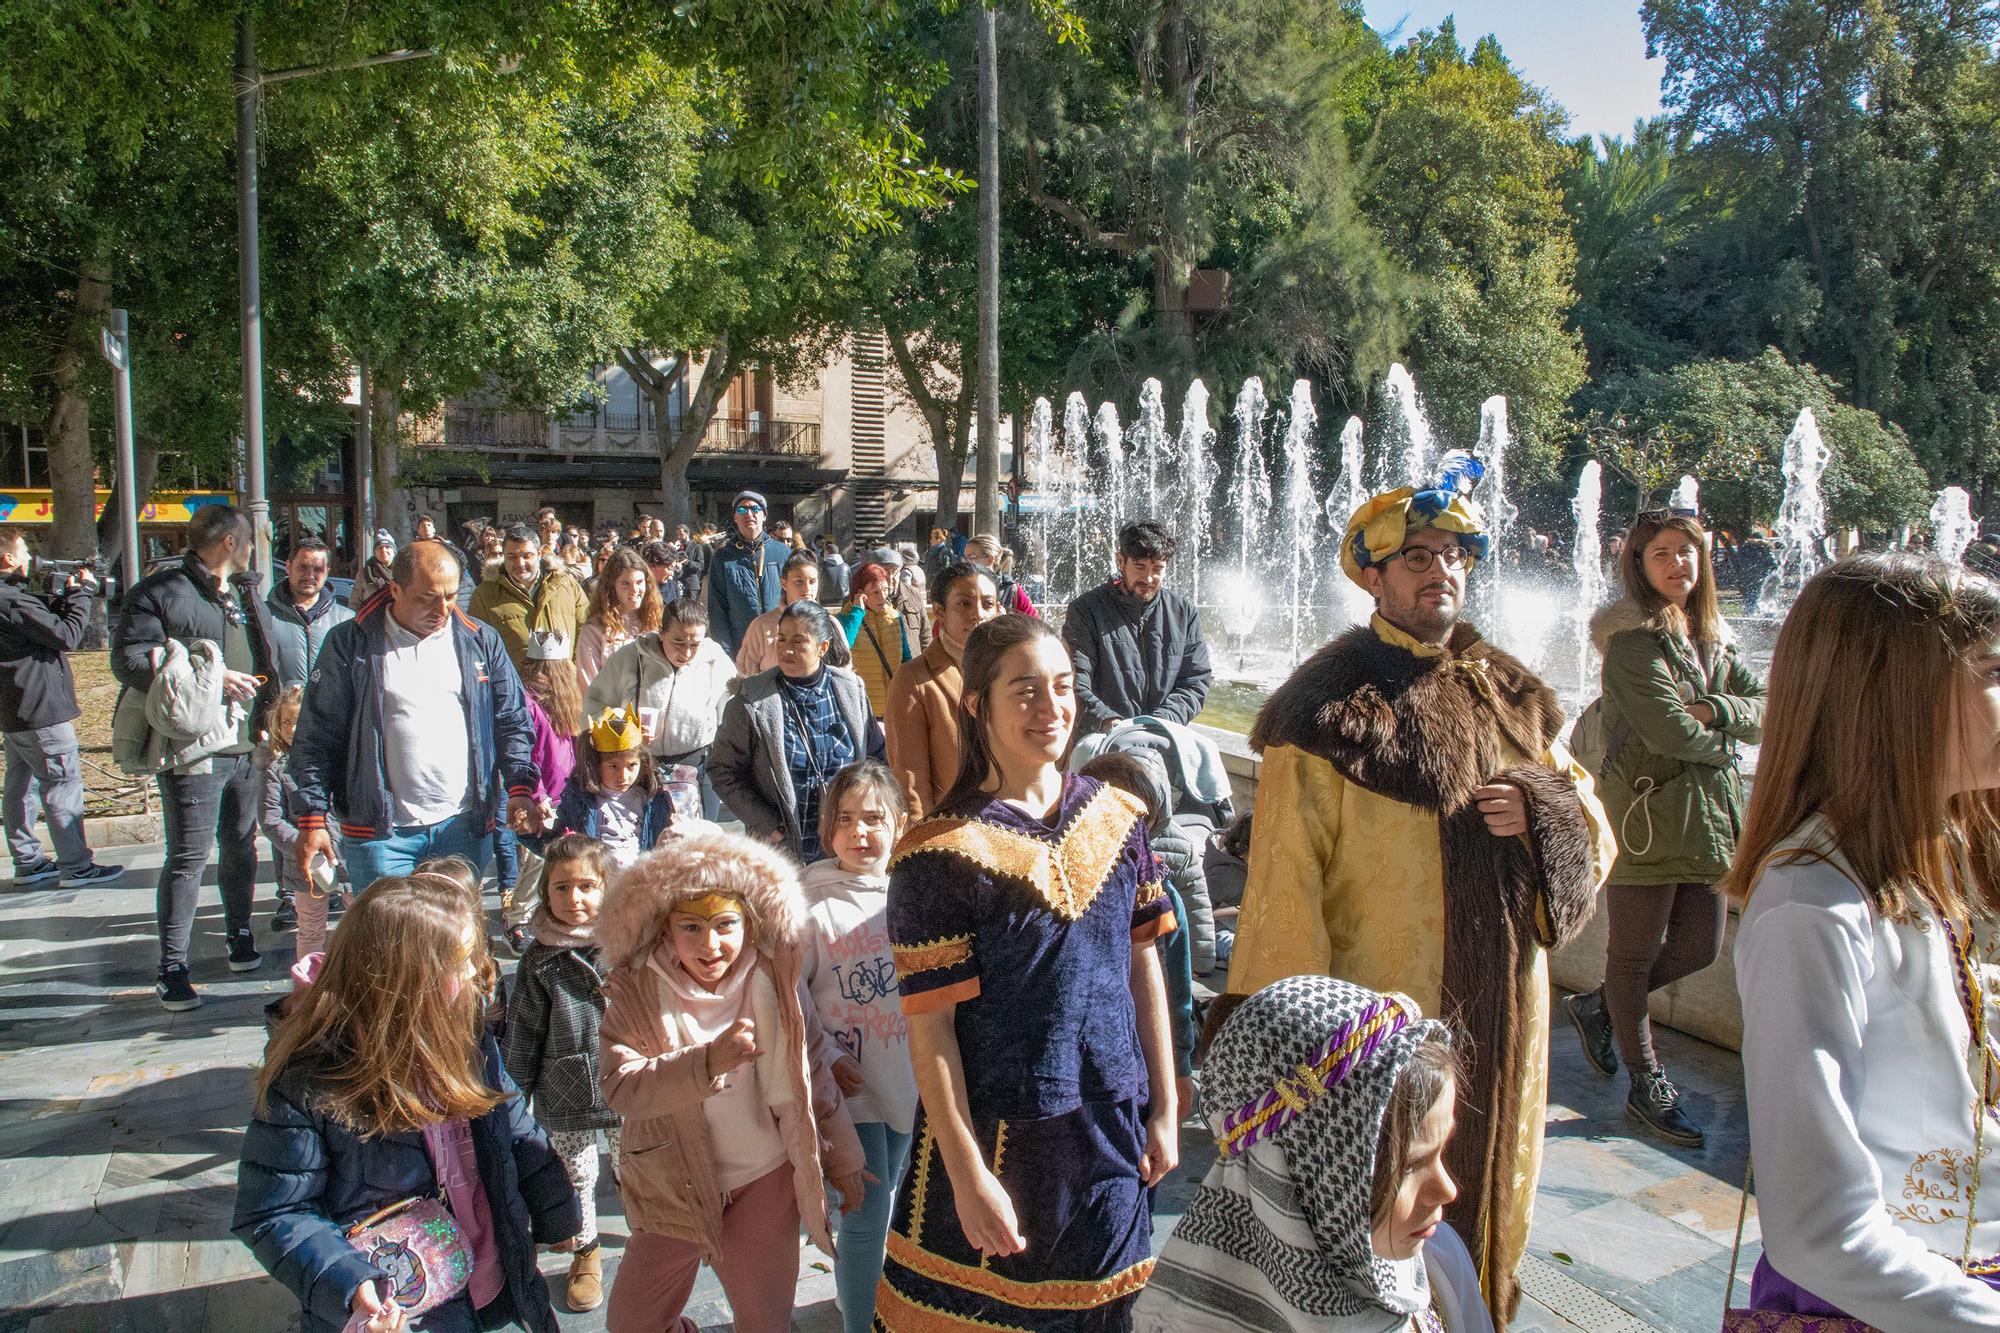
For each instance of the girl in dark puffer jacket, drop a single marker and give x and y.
(380, 1084)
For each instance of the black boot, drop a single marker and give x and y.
(1656, 1104)
(1593, 1025)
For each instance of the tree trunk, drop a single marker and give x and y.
(953, 437)
(110, 537)
(1170, 304)
(392, 510)
(72, 468)
(678, 449)
(656, 386)
(986, 499)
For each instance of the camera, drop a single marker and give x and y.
(58, 573)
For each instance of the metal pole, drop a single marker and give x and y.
(986, 471)
(364, 464)
(247, 96)
(128, 470)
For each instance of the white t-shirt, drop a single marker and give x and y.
(618, 824)
(851, 974)
(426, 754)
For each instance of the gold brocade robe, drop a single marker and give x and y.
(1349, 883)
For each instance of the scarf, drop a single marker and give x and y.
(1279, 1234)
(560, 934)
(817, 746)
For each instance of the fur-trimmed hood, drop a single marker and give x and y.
(1627, 614)
(641, 895)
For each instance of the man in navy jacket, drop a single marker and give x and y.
(743, 575)
(413, 718)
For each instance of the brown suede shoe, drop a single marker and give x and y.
(586, 1280)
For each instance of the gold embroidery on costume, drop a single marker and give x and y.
(922, 1186)
(1150, 892)
(899, 1314)
(928, 957)
(1056, 1294)
(1067, 876)
(1934, 1187)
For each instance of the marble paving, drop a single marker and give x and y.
(120, 1126)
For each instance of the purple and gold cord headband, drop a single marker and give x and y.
(1329, 1063)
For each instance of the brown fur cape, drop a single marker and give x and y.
(1427, 731)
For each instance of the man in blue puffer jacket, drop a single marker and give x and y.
(412, 718)
(743, 576)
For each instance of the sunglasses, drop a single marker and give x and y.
(749, 509)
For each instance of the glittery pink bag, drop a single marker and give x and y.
(417, 1242)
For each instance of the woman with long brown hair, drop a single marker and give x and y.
(1038, 1022)
(383, 1088)
(1678, 702)
(1869, 873)
(624, 604)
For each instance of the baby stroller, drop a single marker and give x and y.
(1178, 845)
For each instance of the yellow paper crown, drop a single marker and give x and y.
(709, 905)
(616, 731)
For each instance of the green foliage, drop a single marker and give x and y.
(1725, 422)
(1464, 166)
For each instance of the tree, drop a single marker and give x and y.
(1725, 422)
(1464, 171)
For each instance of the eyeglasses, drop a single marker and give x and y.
(1419, 559)
(749, 509)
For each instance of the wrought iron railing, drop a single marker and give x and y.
(492, 430)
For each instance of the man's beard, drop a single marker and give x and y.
(1428, 623)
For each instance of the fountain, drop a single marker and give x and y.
(1298, 551)
(1489, 607)
(1687, 497)
(1195, 449)
(1587, 560)
(1076, 443)
(1799, 536)
(1250, 484)
(1952, 525)
(1111, 514)
(1145, 443)
(1406, 427)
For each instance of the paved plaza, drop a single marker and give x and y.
(120, 1126)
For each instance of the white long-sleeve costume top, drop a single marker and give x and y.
(1860, 1067)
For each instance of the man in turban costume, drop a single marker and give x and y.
(1421, 828)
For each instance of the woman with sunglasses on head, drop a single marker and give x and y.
(745, 573)
(1869, 874)
(1678, 703)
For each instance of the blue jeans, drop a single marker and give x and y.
(863, 1234)
(402, 850)
(506, 856)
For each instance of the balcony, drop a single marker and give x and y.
(464, 427)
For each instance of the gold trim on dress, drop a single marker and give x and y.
(1067, 876)
(1053, 1294)
(899, 1314)
(949, 951)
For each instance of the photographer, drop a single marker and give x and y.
(37, 707)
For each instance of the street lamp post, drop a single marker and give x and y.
(118, 351)
(249, 94)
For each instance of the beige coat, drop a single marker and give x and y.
(922, 728)
(658, 1084)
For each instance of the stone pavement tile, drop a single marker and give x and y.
(1690, 1298)
(1620, 1244)
(1703, 1204)
(260, 1304)
(167, 1312)
(60, 1277)
(1602, 1164)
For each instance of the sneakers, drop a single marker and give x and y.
(174, 991)
(1656, 1104)
(517, 940)
(243, 955)
(286, 917)
(39, 873)
(97, 873)
(586, 1280)
(1593, 1025)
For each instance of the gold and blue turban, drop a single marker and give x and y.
(1383, 524)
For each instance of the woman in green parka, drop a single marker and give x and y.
(1678, 705)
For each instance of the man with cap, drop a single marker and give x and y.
(1420, 828)
(743, 575)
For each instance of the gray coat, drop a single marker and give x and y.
(1134, 658)
(747, 761)
(296, 635)
(551, 1047)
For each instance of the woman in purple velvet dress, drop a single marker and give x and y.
(1038, 1030)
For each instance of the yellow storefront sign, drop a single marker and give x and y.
(32, 506)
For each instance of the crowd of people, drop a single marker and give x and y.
(934, 1004)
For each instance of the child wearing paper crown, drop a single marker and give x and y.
(614, 792)
(555, 706)
(733, 1120)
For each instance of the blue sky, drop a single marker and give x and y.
(1589, 54)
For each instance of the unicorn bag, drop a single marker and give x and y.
(417, 1242)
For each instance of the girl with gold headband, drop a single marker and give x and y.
(1038, 1022)
(733, 1120)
